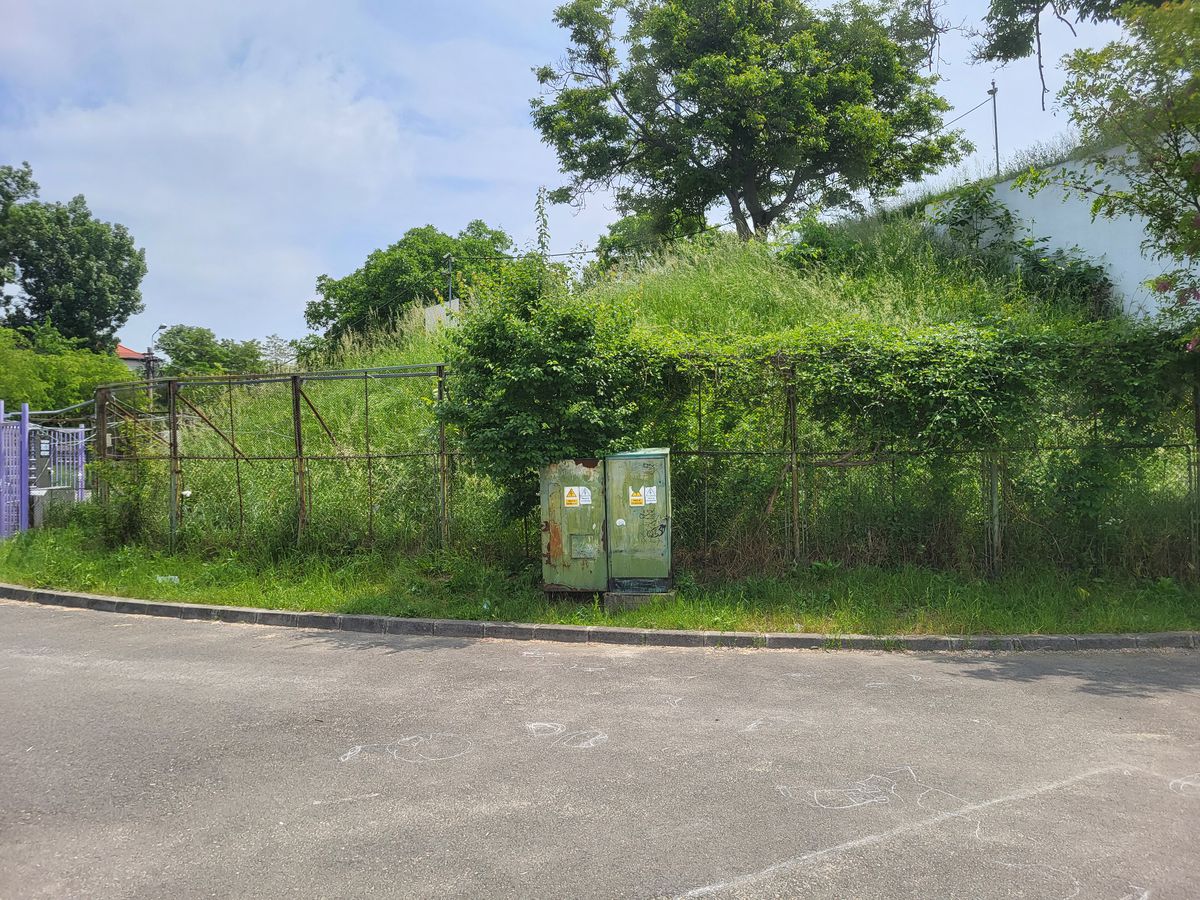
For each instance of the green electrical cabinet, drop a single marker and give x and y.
(574, 557)
(606, 526)
(638, 498)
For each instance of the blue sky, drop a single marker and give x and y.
(252, 146)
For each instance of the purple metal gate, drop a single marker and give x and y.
(14, 472)
(36, 460)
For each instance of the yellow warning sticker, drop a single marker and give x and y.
(571, 498)
(636, 498)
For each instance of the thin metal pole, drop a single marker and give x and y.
(80, 463)
(237, 465)
(443, 465)
(995, 125)
(449, 283)
(370, 474)
(298, 461)
(793, 446)
(23, 469)
(173, 445)
(993, 535)
(100, 485)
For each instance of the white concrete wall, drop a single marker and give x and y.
(441, 314)
(1116, 244)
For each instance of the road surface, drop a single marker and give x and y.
(146, 757)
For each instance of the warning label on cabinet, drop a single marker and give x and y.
(636, 498)
(574, 497)
(651, 494)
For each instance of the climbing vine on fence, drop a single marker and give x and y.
(571, 378)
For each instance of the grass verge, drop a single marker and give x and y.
(822, 598)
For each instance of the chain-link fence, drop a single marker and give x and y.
(334, 460)
(759, 487)
(341, 460)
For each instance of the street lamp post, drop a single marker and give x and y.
(995, 124)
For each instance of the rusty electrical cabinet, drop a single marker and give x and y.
(638, 490)
(606, 526)
(574, 550)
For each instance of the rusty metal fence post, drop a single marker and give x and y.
(793, 467)
(367, 451)
(237, 465)
(173, 517)
(993, 532)
(443, 467)
(298, 475)
(99, 485)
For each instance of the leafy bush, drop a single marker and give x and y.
(46, 371)
(534, 381)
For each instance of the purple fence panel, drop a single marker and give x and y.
(23, 469)
(80, 462)
(11, 490)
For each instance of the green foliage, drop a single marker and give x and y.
(541, 379)
(1143, 92)
(769, 107)
(41, 368)
(637, 237)
(197, 351)
(1012, 28)
(894, 270)
(411, 272)
(982, 227)
(68, 269)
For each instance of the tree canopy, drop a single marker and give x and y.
(40, 367)
(1143, 93)
(411, 272)
(770, 108)
(194, 350)
(61, 266)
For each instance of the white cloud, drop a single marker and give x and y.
(251, 146)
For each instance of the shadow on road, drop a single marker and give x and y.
(1134, 673)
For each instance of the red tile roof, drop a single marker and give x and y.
(124, 352)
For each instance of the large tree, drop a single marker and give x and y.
(772, 108)
(414, 271)
(61, 266)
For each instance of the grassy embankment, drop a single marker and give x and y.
(894, 273)
(820, 599)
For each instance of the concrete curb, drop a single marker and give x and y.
(597, 634)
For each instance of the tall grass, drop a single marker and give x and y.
(891, 270)
(823, 598)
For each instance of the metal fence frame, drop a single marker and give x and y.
(177, 407)
(167, 409)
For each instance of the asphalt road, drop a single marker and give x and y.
(144, 757)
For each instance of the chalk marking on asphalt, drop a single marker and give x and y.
(583, 740)
(803, 859)
(1188, 784)
(1143, 893)
(544, 729)
(753, 725)
(673, 701)
(409, 749)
